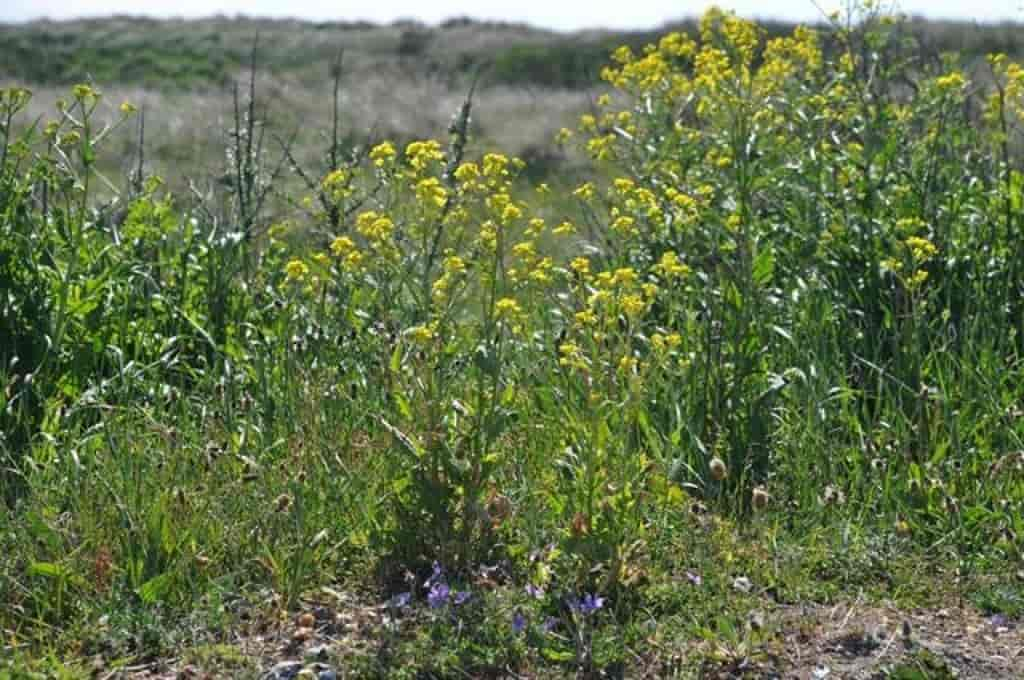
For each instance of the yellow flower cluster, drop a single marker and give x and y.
(421, 155)
(383, 154)
(296, 270)
(337, 185)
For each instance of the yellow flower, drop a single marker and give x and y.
(625, 226)
(453, 264)
(421, 154)
(510, 213)
(921, 248)
(586, 317)
(342, 246)
(84, 92)
(353, 261)
(951, 81)
(296, 270)
(336, 184)
(625, 276)
(495, 165)
(622, 55)
(422, 333)
(375, 227)
(670, 267)
(524, 250)
(580, 265)
(584, 192)
(467, 172)
(633, 305)
(623, 185)
(382, 154)
(430, 192)
(506, 308)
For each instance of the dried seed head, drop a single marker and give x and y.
(759, 498)
(302, 635)
(832, 495)
(580, 525)
(283, 502)
(718, 469)
(305, 620)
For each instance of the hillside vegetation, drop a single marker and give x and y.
(400, 81)
(740, 395)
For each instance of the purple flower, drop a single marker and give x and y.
(536, 592)
(438, 595)
(549, 624)
(400, 600)
(518, 622)
(591, 603)
(587, 605)
(999, 621)
(694, 578)
(462, 597)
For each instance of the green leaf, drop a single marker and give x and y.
(764, 267)
(49, 570)
(156, 588)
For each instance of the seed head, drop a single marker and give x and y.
(718, 469)
(759, 498)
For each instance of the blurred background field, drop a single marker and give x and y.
(400, 81)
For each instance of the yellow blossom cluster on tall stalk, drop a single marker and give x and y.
(744, 177)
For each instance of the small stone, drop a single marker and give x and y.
(317, 653)
(327, 674)
(306, 674)
(742, 584)
(286, 670)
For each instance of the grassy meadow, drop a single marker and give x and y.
(477, 351)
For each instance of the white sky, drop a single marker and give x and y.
(541, 13)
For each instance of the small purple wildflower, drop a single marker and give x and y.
(587, 605)
(999, 621)
(694, 578)
(438, 595)
(462, 597)
(549, 624)
(518, 622)
(536, 592)
(400, 600)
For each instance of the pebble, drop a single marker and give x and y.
(286, 670)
